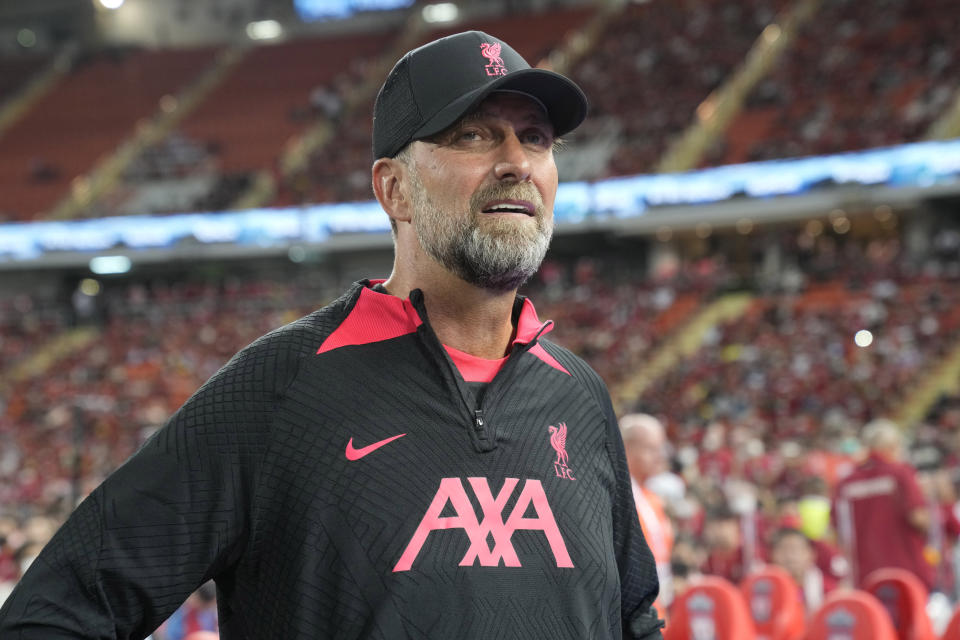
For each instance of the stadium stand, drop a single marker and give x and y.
(339, 171)
(656, 63)
(856, 78)
(17, 72)
(762, 411)
(647, 72)
(108, 93)
(801, 347)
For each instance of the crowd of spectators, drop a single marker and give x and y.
(743, 506)
(651, 68)
(858, 76)
(762, 420)
(611, 318)
(655, 63)
(65, 428)
(794, 361)
(338, 171)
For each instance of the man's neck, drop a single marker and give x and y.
(468, 318)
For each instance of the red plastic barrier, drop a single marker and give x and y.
(712, 609)
(905, 598)
(851, 614)
(774, 603)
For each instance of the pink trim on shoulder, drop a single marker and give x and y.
(473, 368)
(375, 317)
(541, 353)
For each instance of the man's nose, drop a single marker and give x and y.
(513, 163)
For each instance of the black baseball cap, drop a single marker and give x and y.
(435, 85)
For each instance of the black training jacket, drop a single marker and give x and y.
(338, 479)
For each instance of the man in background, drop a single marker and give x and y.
(881, 514)
(645, 442)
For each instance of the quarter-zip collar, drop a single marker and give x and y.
(377, 316)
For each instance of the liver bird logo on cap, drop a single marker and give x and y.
(492, 53)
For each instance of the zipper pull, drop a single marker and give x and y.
(484, 441)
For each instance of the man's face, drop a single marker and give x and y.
(483, 192)
(793, 553)
(646, 452)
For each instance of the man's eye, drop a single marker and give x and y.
(469, 136)
(536, 138)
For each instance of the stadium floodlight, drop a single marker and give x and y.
(102, 265)
(441, 12)
(26, 38)
(264, 30)
(89, 287)
(111, 4)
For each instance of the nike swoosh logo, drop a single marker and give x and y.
(356, 454)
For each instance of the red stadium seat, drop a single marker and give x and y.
(905, 599)
(774, 602)
(851, 614)
(712, 609)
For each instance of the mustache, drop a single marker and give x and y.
(500, 191)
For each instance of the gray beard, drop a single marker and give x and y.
(495, 254)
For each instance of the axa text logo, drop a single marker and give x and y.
(491, 523)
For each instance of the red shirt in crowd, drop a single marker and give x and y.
(871, 510)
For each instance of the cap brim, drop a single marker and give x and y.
(564, 101)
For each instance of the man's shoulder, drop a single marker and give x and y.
(277, 354)
(306, 334)
(872, 478)
(574, 364)
(878, 466)
(581, 371)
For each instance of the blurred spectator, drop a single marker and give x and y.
(795, 552)
(194, 617)
(724, 537)
(326, 102)
(645, 443)
(685, 562)
(881, 502)
(42, 170)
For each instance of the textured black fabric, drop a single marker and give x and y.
(249, 484)
(396, 113)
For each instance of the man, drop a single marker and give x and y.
(881, 515)
(728, 551)
(645, 442)
(412, 461)
(793, 551)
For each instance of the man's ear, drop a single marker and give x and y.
(389, 181)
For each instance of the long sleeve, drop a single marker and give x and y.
(639, 584)
(173, 516)
(638, 574)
